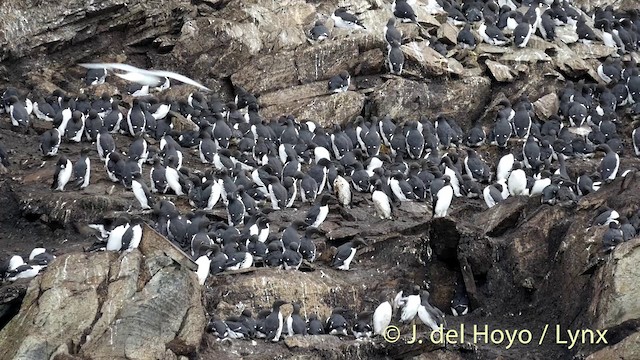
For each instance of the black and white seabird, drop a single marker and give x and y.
(585, 32)
(62, 174)
(605, 216)
(291, 257)
(414, 140)
(609, 71)
(50, 142)
(492, 194)
(18, 269)
(92, 125)
(429, 314)
(314, 325)
(119, 227)
(502, 131)
(136, 119)
(547, 27)
(115, 167)
(491, 34)
(201, 253)
(362, 328)
(475, 136)
(75, 127)
(522, 33)
(114, 118)
(340, 82)
(612, 237)
(18, 113)
(235, 210)
(173, 177)
(218, 260)
(141, 192)
(336, 323)
(460, 301)
(295, 324)
(345, 20)
(105, 144)
(381, 201)
(207, 147)
(395, 60)
(531, 153)
(43, 110)
(442, 198)
(82, 170)
(392, 35)
(628, 230)
(403, 11)
(319, 31)
(40, 256)
(95, 76)
(346, 252)
(318, 213)
(475, 167)
(466, 39)
(274, 322)
(307, 247)
(609, 164)
(517, 181)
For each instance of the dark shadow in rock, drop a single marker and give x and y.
(444, 237)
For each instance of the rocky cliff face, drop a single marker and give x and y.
(525, 265)
(137, 305)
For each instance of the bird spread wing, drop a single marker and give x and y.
(133, 69)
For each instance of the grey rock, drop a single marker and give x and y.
(109, 306)
(500, 72)
(312, 102)
(463, 99)
(546, 106)
(616, 303)
(423, 61)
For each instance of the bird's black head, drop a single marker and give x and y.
(359, 242)
(278, 303)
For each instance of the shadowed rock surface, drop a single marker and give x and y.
(108, 305)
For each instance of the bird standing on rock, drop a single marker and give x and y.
(274, 322)
(295, 324)
(318, 213)
(50, 142)
(403, 11)
(381, 201)
(609, 164)
(392, 35)
(62, 174)
(442, 198)
(340, 82)
(319, 31)
(82, 170)
(382, 317)
(395, 60)
(345, 20)
(19, 113)
(141, 192)
(346, 252)
(429, 314)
